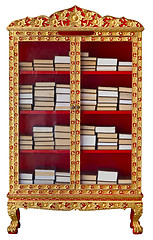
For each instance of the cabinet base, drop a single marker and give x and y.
(76, 204)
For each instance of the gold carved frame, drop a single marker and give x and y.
(75, 196)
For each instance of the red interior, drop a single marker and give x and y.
(90, 160)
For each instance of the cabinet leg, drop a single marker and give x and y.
(136, 213)
(14, 213)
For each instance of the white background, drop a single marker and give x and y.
(114, 224)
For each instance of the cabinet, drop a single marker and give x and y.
(70, 33)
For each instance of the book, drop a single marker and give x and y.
(107, 140)
(87, 140)
(42, 129)
(45, 84)
(25, 181)
(62, 108)
(46, 99)
(25, 64)
(107, 105)
(107, 88)
(59, 85)
(63, 90)
(86, 90)
(125, 89)
(88, 182)
(65, 174)
(44, 93)
(26, 68)
(87, 127)
(124, 68)
(88, 132)
(41, 143)
(62, 59)
(91, 63)
(24, 176)
(107, 147)
(107, 176)
(43, 61)
(26, 101)
(106, 68)
(24, 142)
(105, 129)
(106, 182)
(90, 96)
(88, 108)
(107, 93)
(25, 147)
(43, 147)
(25, 137)
(125, 141)
(64, 147)
(43, 139)
(124, 181)
(43, 108)
(88, 102)
(39, 65)
(43, 69)
(44, 174)
(88, 67)
(106, 108)
(87, 147)
(107, 100)
(62, 104)
(125, 146)
(107, 61)
(25, 95)
(62, 65)
(125, 136)
(84, 54)
(123, 63)
(25, 107)
(62, 142)
(125, 107)
(88, 58)
(59, 128)
(122, 101)
(62, 179)
(26, 90)
(124, 95)
(107, 143)
(43, 181)
(63, 98)
(87, 177)
(40, 104)
(62, 135)
(43, 134)
(107, 135)
(26, 87)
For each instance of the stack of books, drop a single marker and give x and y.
(26, 66)
(62, 137)
(43, 176)
(62, 63)
(88, 179)
(124, 181)
(88, 138)
(44, 93)
(107, 177)
(106, 138)
(125, 98)
(107, 99)
(62, 97)
(124, 66)
(43, 65)
(62, 177)
(25, 97)
(26, 178)
(43, 138)
(88, 99)
(26, 142)
(106, 64)
(125, 141)
(88, 63)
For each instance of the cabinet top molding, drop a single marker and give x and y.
(73, 19)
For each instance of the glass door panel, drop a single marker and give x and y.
(106, 112)
(44, 112)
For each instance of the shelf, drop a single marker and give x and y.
(82, 112)
(82, 151)
(83, 72)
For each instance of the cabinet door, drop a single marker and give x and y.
(105, 125)
(45, 122)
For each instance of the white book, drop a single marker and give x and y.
(62, 179)
(121, 63)
(23, 181)
(107, 61)
(63, 90)
(62, 59)
(43, 181)
(45, 177)
(26, 101)
(63, 97)
(125, 147)
(42, 129)
(65, 174)
(86, 102)
(106, 68)
(26, 176)
(25, 95)
(106, 144)
(63, 104)
(88, 140)
(51, 171)
(125, 101)
(105, 129)
(108, 93)
(125, 136)
(107, 176)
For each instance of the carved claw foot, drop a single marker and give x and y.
(14, 214)
(136, 213)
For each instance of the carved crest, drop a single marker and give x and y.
(76, 17)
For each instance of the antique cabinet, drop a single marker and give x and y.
(68, 33)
